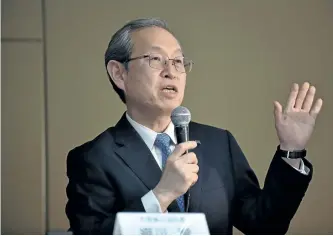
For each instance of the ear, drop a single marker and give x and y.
(117, 73)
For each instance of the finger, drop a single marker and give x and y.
(309, 99)
(194, 179)
(316, 108)
(182, 148)
(277, 111)
(292, 97)
(194, 168)
(301, 95)
(190, 158)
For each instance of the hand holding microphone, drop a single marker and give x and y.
(181, 169)
(179, 175)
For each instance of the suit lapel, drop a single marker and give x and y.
(135, 153)
(195, 190)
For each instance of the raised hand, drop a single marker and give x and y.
(295, 124)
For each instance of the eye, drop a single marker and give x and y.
(178, 61)
(156, 58)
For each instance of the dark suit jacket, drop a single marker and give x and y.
(112, 172)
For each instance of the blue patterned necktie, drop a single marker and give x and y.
(163, 143)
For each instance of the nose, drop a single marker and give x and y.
(169, 70)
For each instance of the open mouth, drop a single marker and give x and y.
(170, 89)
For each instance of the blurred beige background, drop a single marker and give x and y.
(55, 93)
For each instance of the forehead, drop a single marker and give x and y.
(154, 39)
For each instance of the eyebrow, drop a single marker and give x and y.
(161, 50)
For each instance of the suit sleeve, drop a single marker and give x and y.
(92, 204)
(271, 209)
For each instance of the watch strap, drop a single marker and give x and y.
(291, 154)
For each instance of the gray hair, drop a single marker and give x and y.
(120, 46)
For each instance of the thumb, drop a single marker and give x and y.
(277, 111)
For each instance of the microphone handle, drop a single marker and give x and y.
(182, 134)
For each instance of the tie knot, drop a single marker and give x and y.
(162, 140)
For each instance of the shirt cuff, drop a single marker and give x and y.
(150, 203)
(302, 168)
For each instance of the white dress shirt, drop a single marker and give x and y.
(149, 201)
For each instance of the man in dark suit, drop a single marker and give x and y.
(138, 166)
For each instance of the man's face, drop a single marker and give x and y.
(146, 87)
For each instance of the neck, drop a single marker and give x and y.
(154, 121)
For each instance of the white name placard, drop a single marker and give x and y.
(140, 223)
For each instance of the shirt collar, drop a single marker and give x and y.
(149, 135)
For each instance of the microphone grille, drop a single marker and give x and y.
(180, 116)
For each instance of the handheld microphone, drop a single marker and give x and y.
(181, 118)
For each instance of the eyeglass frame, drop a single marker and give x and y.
(168, 59)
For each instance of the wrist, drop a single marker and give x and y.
(163, 197)
(289, 148)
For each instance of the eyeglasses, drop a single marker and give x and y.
(157, 61)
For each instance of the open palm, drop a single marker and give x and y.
(295, 124)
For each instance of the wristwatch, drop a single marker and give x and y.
(291, 154)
